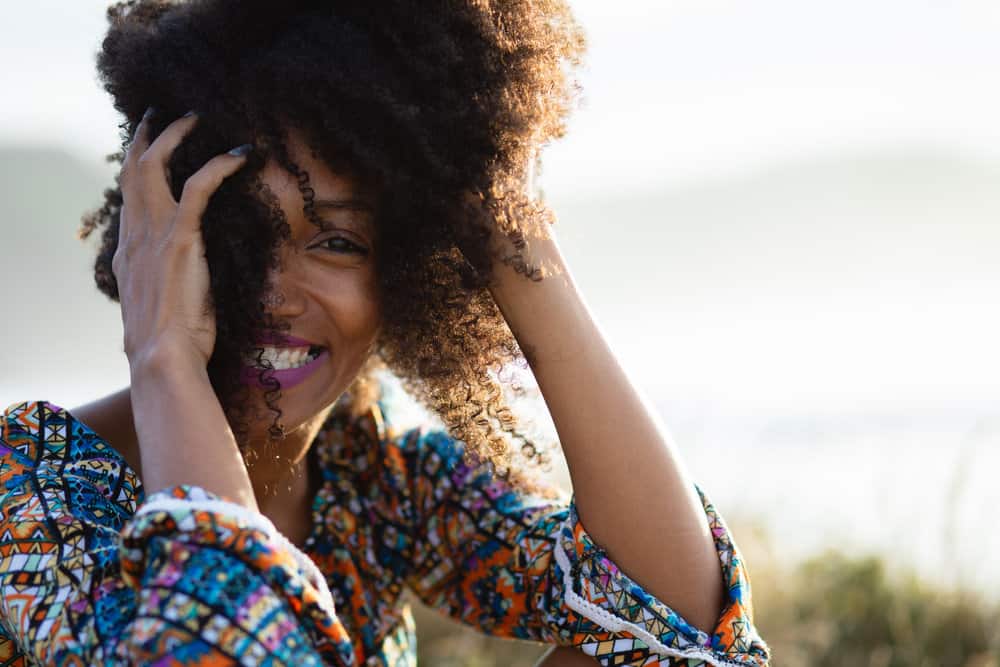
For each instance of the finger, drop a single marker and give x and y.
(140, 140)
(202, 184)
(153, 162)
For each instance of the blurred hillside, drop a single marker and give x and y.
(850, 221)
(849, 282)
(780, 286)
(57, 324)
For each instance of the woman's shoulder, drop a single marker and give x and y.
(23, 422)
(41, 440)
(33, 430)
(46, 429)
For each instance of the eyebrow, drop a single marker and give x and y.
(348, 204)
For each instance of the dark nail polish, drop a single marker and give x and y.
(240, 151)
(149, 112)
(189, 113)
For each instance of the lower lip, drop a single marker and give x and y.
(287, 378)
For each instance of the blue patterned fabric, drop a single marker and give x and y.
(93, 572)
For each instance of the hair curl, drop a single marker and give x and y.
(439, 105)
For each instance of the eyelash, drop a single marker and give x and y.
(351, 246)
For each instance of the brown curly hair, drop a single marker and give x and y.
(439, 106)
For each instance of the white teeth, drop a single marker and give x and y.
(284, 358)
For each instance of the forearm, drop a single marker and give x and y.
(183, 434)
(632, 492)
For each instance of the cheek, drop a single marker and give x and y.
(354, 310)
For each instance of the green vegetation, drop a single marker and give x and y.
(837, 610)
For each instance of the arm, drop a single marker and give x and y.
(619, 457)
(524, 566)
(169, 326)
(164, 387)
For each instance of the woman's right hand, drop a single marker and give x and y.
(169, 323)
(163, 279)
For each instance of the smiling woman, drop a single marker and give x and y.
(246, 499)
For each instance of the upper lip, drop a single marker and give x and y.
(275, 339)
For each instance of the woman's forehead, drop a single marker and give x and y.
(336, 195)
(328, 184)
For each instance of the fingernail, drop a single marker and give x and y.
(189, 113)
(149, 112)
(240, 151)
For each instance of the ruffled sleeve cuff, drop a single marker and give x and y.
(596, 588)
(186, 516)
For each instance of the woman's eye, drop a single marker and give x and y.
(340, 244)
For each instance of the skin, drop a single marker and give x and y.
(329, 300)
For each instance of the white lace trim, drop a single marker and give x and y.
(613, 623)
(255, 520)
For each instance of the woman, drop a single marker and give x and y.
(245, 499)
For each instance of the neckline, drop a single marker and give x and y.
(315, 468)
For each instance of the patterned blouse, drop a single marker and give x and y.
(94, 572)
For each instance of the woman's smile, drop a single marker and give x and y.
(292, 366)
(284, 358)
(293, 360)
(283, 352)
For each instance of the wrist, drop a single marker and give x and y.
(526, 266)
(162, 362)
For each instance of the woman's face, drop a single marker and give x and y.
(325, 287)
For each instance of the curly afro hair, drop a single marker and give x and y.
(440, 106)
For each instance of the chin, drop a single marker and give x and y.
(296, 414)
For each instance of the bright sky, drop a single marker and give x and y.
(681, 92)
(676, 90)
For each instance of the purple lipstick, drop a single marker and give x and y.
(294, 360)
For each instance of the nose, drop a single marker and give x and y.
(284, 299)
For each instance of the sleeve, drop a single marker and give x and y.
(518, 565)
(189, 578)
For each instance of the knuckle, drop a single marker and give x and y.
(146, 164)
(180, 243)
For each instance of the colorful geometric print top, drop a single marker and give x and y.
(93, 572)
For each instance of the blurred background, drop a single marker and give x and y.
(783, 214)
